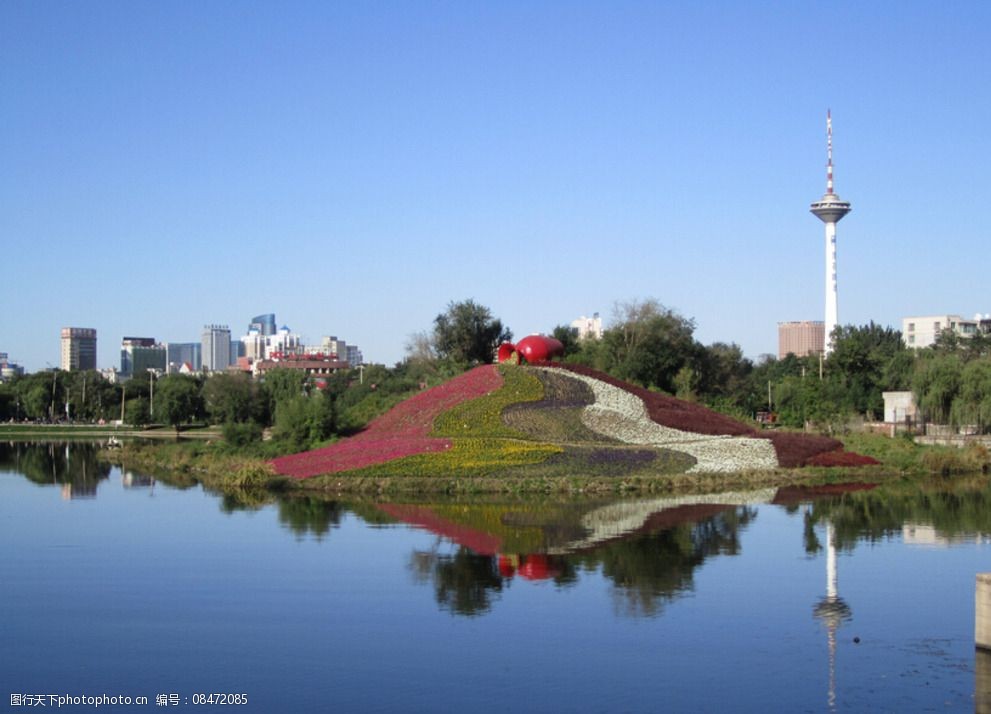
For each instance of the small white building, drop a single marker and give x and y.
(899, 407)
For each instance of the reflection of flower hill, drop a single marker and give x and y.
(793, 495)
(560, 531)
(423, 517)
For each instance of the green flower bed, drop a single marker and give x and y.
(482, 417)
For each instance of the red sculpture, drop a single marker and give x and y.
(535, 348)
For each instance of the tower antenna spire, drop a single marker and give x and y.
(829, 152)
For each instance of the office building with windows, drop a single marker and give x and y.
(78, 348)
(216, 341)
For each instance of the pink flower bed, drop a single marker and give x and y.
(402, 431)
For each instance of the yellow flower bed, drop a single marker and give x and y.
(466, 458)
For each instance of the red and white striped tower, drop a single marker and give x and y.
(830, 209)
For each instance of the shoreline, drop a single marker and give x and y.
(58, 432)
(234, 473)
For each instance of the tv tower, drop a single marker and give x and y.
(830, 209)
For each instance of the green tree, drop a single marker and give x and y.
(649, 344)
(936, 383)
(303, 422)
(467, 333)
(231, 398)
(567, 336)
(178, 399)
(723, 373)
(973, 405)
(858, 361)
(283, 385)
(137, 412)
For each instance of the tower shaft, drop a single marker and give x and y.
(832, 307)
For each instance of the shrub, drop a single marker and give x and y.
(241, 433)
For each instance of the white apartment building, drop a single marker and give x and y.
(588, 326)
(922, 331)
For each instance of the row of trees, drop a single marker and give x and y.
(655, 347)
(647, 344)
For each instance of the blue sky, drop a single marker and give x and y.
(353, 167)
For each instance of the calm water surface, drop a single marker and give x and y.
(114, 583)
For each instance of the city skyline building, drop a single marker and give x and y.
(265, 324)
(830, 209)
(78, 348)
(138, 354)
(800, 338)
(9, 370)
(216, 341)
(183, 353)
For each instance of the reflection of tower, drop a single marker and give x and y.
(831, 610)
(830, 209)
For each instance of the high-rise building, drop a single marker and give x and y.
(355, 358)
(265, 324)
(139, 354)
(830, 209)
(78, 348)
(216, 347)
(253, 344)
(330, 345)
(184, 353)
(800, 338)
(8, 370)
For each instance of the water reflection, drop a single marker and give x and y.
(929, 512)
(308, 515)
(649, 548)
(71, 466)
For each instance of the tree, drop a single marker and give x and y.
(283, 385)
(303, 422)
(973, 405)
(649, 344)
(468, 334)
(567, 336)
(230, 398)
(936, 383)
(858, 361)
(724, 372)
(178, 399)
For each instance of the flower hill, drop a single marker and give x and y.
(556, 420)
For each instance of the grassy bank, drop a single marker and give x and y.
(97, 431)
(218, 466)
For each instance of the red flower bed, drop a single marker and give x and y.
(791, 449)
(795, 450)
(402, 431)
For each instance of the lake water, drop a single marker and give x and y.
(115, 584)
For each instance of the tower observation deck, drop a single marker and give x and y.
(830, 209)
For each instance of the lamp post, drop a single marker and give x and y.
(151, 385)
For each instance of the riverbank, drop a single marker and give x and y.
(215, 466)
(67, 432)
